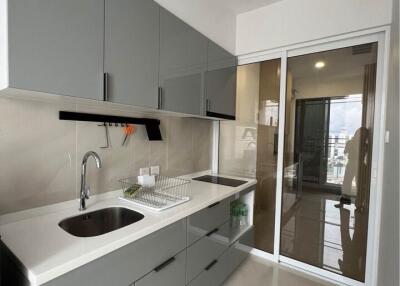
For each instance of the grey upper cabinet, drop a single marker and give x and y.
(55, 46)
(220, 83)
(132, 51)
(183, 61)
(218, 57)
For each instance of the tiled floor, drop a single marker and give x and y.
(259, 272)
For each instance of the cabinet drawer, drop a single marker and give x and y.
(169, 273)
(220, 269)
(130, 262)
(202, 222)
(204, 251)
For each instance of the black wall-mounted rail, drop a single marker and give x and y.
(152, 125)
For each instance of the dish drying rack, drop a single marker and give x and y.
(166, 193)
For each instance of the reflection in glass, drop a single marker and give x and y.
(248, 146)
(267, 151)
(328, 143)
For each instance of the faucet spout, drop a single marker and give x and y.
(94, 155)
(84, 193)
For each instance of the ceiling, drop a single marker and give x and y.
(241, 6)
(216, 19)
(340, 63)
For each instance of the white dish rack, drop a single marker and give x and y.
(167, 192)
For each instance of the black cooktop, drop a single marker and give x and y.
(220, 181)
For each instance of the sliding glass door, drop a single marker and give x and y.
(248, 147)
(306, 129)
(327, 158)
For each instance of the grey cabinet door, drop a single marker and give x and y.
(127, 264)
(169, 273)
(220, 83)
(131, 51)
(208, 219)
(218, 57)
(56, 46)
(220, 269)
(207, 249)
(183, 61)
(221, 93)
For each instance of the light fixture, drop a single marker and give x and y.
(319, 65)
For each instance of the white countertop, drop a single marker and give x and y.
(47, 251)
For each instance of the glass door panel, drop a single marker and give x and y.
(248, 147)
(267, 153)
(327, 158)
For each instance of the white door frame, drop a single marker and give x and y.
(382, 36)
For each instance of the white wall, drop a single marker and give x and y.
(208, 17)
(3, 45)
(388, 274)
(295, 21)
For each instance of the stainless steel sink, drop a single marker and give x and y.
(100, 222)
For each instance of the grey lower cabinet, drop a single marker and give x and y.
(130, 263)
(212, 252)
(169, 273)
(206, 250)
(220, 83)
(164, 258)
(219, 269)
(208, 220)
(131, 52)
(55, 46)
(183, 61)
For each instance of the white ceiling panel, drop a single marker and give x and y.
(241, 6)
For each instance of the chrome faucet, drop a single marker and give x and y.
(85, 191)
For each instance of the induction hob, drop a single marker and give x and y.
(220, 181)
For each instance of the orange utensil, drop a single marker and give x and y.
(128, 130)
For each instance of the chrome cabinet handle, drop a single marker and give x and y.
(105, 86)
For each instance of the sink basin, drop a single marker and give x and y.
(100, 222)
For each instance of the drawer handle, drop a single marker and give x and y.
(212, 232)
(105, 86)
(160, 98)
(213, 205)
(209, 266)
(164, 264)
